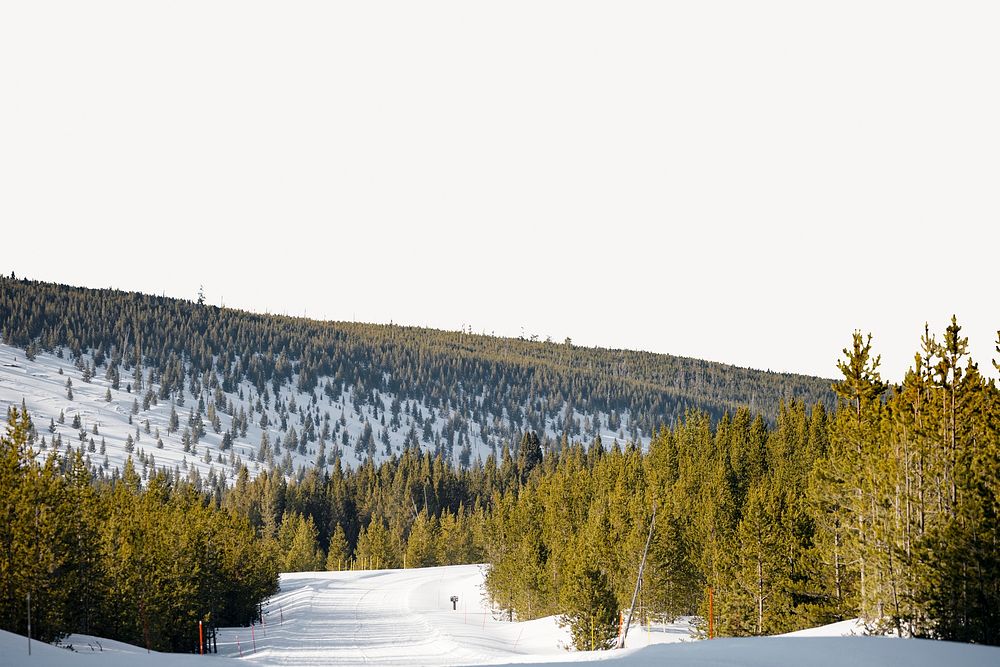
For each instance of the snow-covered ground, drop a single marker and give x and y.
(385, 617)
(405, 617)
(41, 385)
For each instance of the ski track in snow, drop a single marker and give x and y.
(389, 617)
(404, 617)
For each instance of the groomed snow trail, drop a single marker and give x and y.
(388, 617)
(405, 617)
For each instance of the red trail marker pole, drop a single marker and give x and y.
(201, 640)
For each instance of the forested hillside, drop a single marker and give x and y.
(522, 384)
(321, 445)
(885, 509)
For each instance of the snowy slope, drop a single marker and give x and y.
(388, 617)
(85, 652)
(405, 617)
(41, 385)
(812, 651)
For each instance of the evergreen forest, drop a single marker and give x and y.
(790, 501)
(524, 382)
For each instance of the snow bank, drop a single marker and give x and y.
(812, 651)
(406, 617)
(86, 652)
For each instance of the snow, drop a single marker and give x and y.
(812, 651)
(849, 628)
(405, 617)
(42, 387)
(386, 617)
(86, 652)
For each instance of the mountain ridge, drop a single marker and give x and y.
(346, 391)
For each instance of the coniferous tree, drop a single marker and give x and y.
(590, 609)
(376, 547)
(339, 552)
(421, 547)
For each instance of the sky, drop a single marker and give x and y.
(734, 181)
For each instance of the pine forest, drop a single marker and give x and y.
(788, 501)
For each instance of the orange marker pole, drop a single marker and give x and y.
(201, 640)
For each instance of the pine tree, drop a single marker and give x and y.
(376, 547)
(672, 583)
(298, 537)
(421, 544)
(174, 422)
(339, 552)
(846, 475)
(529, 455)
(588, 607)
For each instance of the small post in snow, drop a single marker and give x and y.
(29, 623)
(201, 640)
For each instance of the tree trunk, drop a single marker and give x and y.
(760, 597)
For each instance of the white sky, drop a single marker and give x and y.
(745, 182)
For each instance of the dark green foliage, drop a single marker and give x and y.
(908, 495)
(529, 381)
(885, 507)
(886, 510)
(589, 608)
(114, 560)
(529, 455)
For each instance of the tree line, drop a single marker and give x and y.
(141, 564)
(794, 511)
(886, 509)
(530, 382)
